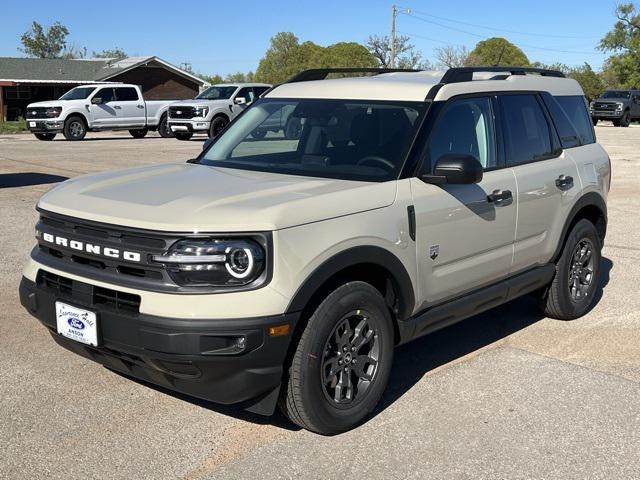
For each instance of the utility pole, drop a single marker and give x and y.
(394, 14)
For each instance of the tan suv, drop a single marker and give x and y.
(283, 269)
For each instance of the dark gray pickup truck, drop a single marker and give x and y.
(619, 106)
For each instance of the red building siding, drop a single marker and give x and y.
(159, 83)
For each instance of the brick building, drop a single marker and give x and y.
(27, 80)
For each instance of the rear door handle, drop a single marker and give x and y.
(564, 181)
(140, 106)
(500, 197)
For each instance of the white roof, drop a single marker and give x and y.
(414, 86)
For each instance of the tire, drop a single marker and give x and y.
(306, 398)
(139, 133)
(259, 133)
(625, 120)
(74, 129)
(595, 121)
(45, 137)
(163, 128)
(218, 124)
(183, 135)
(571, 293)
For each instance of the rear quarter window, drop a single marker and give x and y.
(575, 107)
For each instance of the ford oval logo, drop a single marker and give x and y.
(75, 323)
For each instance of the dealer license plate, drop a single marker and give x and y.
(77, 324)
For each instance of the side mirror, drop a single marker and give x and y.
(96, 100)
(240, 101)
(208, 142)
(454, 169)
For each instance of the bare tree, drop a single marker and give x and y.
(452, 56)
(406, 54)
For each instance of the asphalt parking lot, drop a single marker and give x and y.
(507, 394)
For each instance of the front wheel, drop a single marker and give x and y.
(45, 137)
(163, 128)
(74, 129)
(218, 124)
(573, 288)
(595, 121)
(625, 121)
(342, 362)
(141, 133)
(183, 135)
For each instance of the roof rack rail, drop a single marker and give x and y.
(465, 74)
(322, 73)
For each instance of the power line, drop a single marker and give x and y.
(477, 35)
(531, 34)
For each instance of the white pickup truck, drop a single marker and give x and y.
(96, 108)
(213, 109)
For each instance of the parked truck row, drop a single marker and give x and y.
(92, 108)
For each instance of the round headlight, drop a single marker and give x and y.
(239, 262)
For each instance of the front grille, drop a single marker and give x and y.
(86, 294)
(604, 106)
(144, 274)
(181, 112)
(37, 112)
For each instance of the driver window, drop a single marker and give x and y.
(106, 94)
(465, 127)
(247, 94)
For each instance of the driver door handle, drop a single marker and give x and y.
(500, 197)
(117, 107)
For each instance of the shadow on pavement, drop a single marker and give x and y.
(11, 180)
(415, 359)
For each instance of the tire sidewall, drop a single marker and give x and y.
(67, 129)
(358, 295)
(163, 128)
(217, 121)
(584, 229)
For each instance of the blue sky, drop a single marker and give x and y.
(229, 36)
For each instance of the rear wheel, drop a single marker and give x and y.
(74, 129)
(573, 288)
(342, 362)
(218, 124)
(163, 128)
(139, 133)
(45, 137)
(183, 135)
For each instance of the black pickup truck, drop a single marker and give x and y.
(619, 106)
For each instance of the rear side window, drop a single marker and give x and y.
(567, 132)
(576, 109)
(526, 131)
(126, 94)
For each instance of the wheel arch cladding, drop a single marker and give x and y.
(592, 207)
(374, 265)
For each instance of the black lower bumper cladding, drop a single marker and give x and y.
(232, 361)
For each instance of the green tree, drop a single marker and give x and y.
(624, 44)
(497, 51)
(590, 81)
(286, 56)
(117, 53)
(45, 44)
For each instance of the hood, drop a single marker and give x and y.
(198, 198)
(611, 100)
(196, 102)
(49, 103)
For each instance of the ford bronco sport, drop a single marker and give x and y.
(283, 271)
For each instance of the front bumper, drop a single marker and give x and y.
(224, 361)
(606, 114)
(190, 126)
(45, 126)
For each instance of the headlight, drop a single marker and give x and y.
(200, 111)
(618, 106)
(215, 262)
(53, 112)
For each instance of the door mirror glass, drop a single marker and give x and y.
(96, 100)
(240, 101)
(455, 169)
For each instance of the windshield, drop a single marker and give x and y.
(344, 139)
(78, 93)
(617, 94)
(217, 93)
